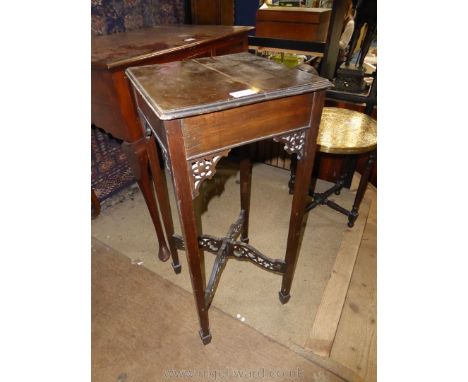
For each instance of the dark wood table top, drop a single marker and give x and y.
(129, 48)
(198, 86)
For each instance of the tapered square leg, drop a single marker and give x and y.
(183, 191)
(305, 161)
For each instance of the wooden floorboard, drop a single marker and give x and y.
(144, 327)
(326, 321)
(355, 345)
(329, 364)
(354, 351)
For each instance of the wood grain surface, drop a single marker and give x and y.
(199, 86)
(129, 48)
(326, 321)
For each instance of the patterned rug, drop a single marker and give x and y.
(110, 171)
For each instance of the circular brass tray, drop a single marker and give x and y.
(344, 131)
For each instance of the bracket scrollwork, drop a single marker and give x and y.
(203, 168)
(293, 142)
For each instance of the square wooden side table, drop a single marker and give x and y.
(198, 110)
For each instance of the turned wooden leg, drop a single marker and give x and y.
(138, 159)
(183, 191)
(347, 170)
(160, 184)
(245, 187)
(305, 161)
(361, 188)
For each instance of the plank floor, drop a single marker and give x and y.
(149, 336)
(355, 344)
(352, 356)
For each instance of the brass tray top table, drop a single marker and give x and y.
(344, 131)
(198, 110)
(112, 107)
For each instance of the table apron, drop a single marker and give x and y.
(216, 131)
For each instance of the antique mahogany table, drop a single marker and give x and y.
(198, 110)
(112, 107)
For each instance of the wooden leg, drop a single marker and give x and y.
(138, 159)
(348, 167)
(183, 191)
(160, 184)
(361, 189)
(95, 205)
(292, 176)
(245, 187)
(301, 188)
(347, 171)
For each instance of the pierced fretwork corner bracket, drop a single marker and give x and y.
(293, 142)
(203, 168)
